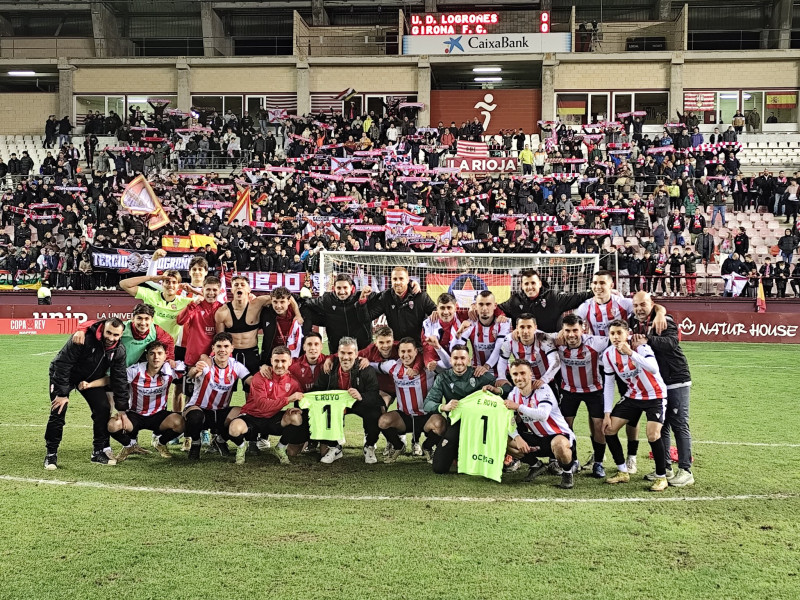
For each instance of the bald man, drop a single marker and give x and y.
(674, 369)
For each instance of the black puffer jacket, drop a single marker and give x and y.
(364, 380)
(339, 317)
(546, 308)
(404, 315)
(90, 361)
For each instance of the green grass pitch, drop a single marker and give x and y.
(143, 529)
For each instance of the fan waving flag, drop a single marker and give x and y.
(242, 210)
(346, 94)
(276, 115)
(140, 199)
(467, 149)
(761, 300)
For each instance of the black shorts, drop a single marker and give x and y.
(180, 353)
(263, 426)
(150, 422)
(544, 443)
(570, 401)
(414, 423)
(213, 419)
(631, 410)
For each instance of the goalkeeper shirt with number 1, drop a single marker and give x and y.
(486, 424)
(326, 413)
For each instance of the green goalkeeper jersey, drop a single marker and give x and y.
(485, 426)
(326, 413)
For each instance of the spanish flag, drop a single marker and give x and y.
(242, 210)
(761, 300)
(465, 287)
(781, 99)
(201, 241)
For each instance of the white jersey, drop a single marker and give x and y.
(542, 355)
(485, 340)
(639, 371)
(214, 385)
(597, 316)
(540, 412)
(444, 332)
(149, 394)
(580, 367)
(411, 391)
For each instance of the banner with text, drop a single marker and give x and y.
(135, 261)
(500, 43)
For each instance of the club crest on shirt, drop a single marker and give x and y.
(266, 324)
(452, 385)
(410, 305)
(543, 302)
(287, 386)
(472, 382)
(392, 306)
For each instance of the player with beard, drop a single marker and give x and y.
(528, 343)
(404, 305)
(443, 327)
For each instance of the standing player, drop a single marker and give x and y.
(444, 328)
(646, 393)
(581, 358)
(486, 334)
(545, 305)
(263, 414)
(342, 312)
(241, 319)
(209, 406)
(360, 383)
(449, 387)
(281, 324)
(73, 367)
(532, 345)
(542, 426)
(149, 383)
(674, 369)
(412, 382)
(307, 367)
(597, 312)
(199, 325)
(166, 303)
(404, 305)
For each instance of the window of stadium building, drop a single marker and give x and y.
(221, 104)
(102, 104)
(572, 108)
(654, 104)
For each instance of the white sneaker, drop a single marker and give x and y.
(631, 464)
(388, 449)
(416, 450)
(263, 443)
(682, 479)
(369, 455)
(334, 453)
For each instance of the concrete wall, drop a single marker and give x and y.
(363, 79)
(249, 79)
(25, 113)
(139, 79)
(749, 75)
(20, 47)
(614, 35)
(606, 75)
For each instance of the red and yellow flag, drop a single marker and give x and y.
(242, 210)
(761, 300)
(781, 99)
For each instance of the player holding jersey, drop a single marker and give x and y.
(412, 382)
(263, 414)
(646, 393)
(209, 407)
(581, 358)
(532, 345)
(149, 383)
(486, 334)
(543, 431)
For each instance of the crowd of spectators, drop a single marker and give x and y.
(649, 205)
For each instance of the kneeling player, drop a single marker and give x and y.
(412, 382)
(148, 407)
(543, 431)
(646, 393)
(210, 405)
(263, 412)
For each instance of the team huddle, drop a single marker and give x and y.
(485, 388)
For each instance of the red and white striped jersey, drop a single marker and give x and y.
(598, 316)
(580, 367)
(446, 332)
(149, 394)
(486, 341)
(639, 372)
(214, 385)
(540, 412)
(411, 391)
(542, 355)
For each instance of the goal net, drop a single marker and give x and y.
(460, 275)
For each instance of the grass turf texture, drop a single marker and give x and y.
(93, 542)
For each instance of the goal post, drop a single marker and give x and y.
(460, 275)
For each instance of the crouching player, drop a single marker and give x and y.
(646, 393)
(263, 412)
(543, 431)
(412, 382)
(149, 383)
(210, 405)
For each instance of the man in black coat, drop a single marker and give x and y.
(543, 303)
(342, 312)
(362, 384)
(76, 366)
(405, 306)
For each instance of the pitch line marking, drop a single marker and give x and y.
(464, 499)
(712, 442)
